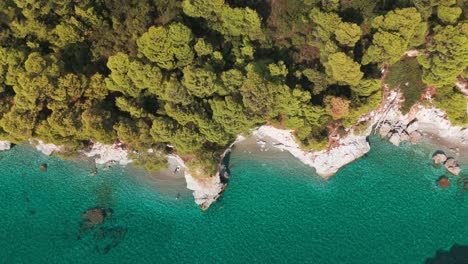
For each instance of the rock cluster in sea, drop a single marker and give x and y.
(450, 163)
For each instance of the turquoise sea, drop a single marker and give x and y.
(383, 208)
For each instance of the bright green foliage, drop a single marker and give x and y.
(175, 92)
(202, 8)
(202, 48)
(446, 56)
(239, 22)
(232, 80)
(132, 106)
(199, 82)
(343, 70)
(96, 88)
(330, 5)
(136, 134)
(196, 73)
(453, 103)
(348, 34)
(130, 77)
(397, 32)
(231, 115)
(278, 69)
(67, 33)
(231, 22)
(448, 15)
(97, 125)
(320, 80)
(18, 124)
(168, 47)
(361, 106)
(366, 87)
(262, 97)
(326, 26)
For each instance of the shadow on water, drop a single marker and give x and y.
(456, 255)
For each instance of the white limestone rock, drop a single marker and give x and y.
(104, 154)
(452, 166)
(351, 148)
(395, 139)
(205, 191)
(439, 158)
(5, 145)
(46, 148)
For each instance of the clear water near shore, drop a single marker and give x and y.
(384, 208)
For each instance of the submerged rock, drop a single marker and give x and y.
(452, 166)
(43, 167)
(94, 217)
(439, 157)
(443, 181)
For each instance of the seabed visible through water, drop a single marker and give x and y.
(383, 208)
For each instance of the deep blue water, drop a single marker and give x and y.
(384, 208)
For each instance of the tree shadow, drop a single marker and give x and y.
(456, 255)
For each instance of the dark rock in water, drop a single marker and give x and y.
(457, 254)
(43, 167)
(439, 157)
(32, 212)
(443, 181)
(94, 217)
(452, 166)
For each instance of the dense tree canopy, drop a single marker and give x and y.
(193, 74)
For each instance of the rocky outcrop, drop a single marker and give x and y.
(439, 157)
(350, 148)
(46, 148)
(108, 154)
(452, 166)
(5, 145)
(325, 162)
(205, 190)
(208, 189)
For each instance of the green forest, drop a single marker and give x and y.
(193, 74)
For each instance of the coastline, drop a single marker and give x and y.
(429, 125)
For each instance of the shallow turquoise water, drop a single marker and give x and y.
(384, 208)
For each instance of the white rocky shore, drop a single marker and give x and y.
(5, 145)
(326, 163)
(388, 120)
(108, 154)
(205, 190)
